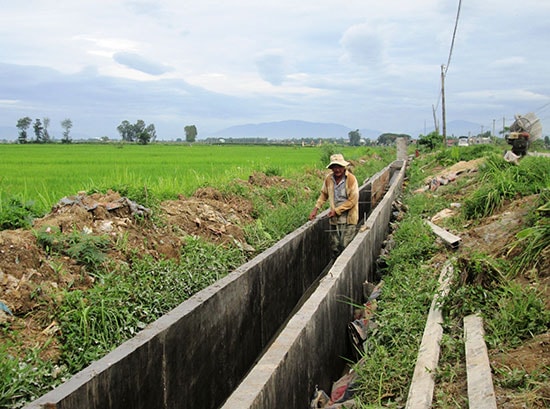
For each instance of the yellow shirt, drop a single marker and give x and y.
(351, 205)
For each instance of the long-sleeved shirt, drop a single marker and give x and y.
(351, 205)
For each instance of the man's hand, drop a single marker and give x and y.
(313, 214)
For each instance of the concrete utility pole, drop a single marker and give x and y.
(444, 124)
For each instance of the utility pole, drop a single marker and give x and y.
(443, 106)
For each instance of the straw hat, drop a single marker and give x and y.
(337, 159)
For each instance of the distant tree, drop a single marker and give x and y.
(138, 132)
(387, 139)
(38, 130)
(66, 124)
(354, 138)
(190, 133)
(126, 131)
(431, 141)
(146, 134)
(23, 124)
(150, 129)
(45, 134)
(547, 141)
(139, 127)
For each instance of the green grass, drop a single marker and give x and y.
(502, 181)
(403, 305)
(486, 284)
(93, 322)
(44, 174)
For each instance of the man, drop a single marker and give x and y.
(341, 190)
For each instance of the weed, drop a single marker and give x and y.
(15, 214)
(84, 248)
(95, 321)
(503, 181)
(273, 171)
(25, 379)
(512, 378)
(326, 152)
(424, 206)
(515, 313)
(450, 376)
(122, 242)
(401, 314)
(532, 241)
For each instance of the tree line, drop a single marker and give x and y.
(137, 132)
(40, 128)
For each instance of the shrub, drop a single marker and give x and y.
(15, 214)
(84, 248)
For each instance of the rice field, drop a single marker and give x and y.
(44, 174)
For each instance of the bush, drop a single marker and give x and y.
(86, 249)
(15, 214)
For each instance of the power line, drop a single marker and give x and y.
(439, 98)
(444, 70)
(542, 107)
(454, 36)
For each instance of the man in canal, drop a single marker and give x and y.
(341, 190)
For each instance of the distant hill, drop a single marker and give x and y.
(290, 129)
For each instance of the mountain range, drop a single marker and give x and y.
(302, 129)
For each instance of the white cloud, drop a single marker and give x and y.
(363, 45)
(271, 67)
(139, 63)
(223, 63)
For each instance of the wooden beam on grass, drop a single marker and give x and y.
(450, 239)
(481, 393)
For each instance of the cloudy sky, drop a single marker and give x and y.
(217, 63)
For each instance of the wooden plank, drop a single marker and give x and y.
(423, 382)
(450, 239)
(481, 394)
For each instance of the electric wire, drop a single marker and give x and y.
(450, 52)
(538, 110)
(454, 36)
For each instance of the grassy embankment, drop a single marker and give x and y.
(504, 290)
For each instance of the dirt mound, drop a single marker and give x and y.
(28, 272)
(210, 214)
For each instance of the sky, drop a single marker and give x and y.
(221, 63)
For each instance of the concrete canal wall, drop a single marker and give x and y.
(309, 350)
(197, 355)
